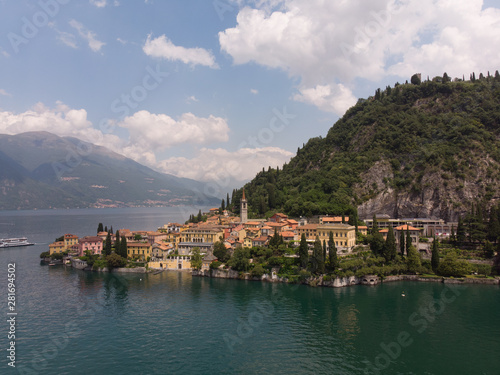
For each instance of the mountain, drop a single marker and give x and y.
(42, 170)
(430, 149)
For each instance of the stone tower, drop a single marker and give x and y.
(243, 208)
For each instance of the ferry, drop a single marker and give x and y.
(14, 242)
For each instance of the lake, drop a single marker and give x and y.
(75, 322)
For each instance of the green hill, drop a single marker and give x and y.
(415, 150)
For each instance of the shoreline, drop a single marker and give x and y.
(341, 282)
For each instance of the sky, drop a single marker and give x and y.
(215, 90)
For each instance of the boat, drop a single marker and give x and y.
(14, 242)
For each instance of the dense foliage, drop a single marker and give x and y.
(439, 127)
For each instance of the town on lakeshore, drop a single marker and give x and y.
(321, 250)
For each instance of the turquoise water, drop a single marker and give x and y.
(73, 322)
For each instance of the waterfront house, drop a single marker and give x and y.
(57, 247)
(70, 240)
(92, 243)
(139, 250)
(344, 235)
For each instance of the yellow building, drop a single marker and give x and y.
(70, 240)
(57, 247)
(310, 230)
(202, 234)
(172, 263)
(174, 239)
(139, 250)
(344, 235)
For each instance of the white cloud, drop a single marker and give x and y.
(4, 93)
(192, 99)
(99, 3)
(162, 47)
(224, 166)
(67, 39)
(336, 99)
(154, 132)
(324, 43)
(91, 38)
(122, 41)
(61, 120)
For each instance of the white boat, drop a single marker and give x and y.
(14, 242)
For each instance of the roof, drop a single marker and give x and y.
(407, 227)
(291, 221)
(384, 230)
(288, 234)
(260, 239)
(70, 236)
(91, 239)
(58, 243)
(309, 226)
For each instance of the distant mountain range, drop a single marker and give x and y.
(42, 170)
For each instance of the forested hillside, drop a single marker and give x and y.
(424, 149)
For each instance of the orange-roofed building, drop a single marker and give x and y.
(278, 218)
(70, 240)
(332, 219)
(414, 234)
(288, 236)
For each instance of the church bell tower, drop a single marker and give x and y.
(243, 208)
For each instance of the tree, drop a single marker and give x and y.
(100, 228)
(123, 247)
(489, 250)
(318, 261)
(413, 261)
(460, 232)
(402, 245)
(199, 217)
(196, 259)
(435, 255)
(115, 261)
(453, 237)
(227, 200)
(221, 252)
(107, 245)
(117, 242)
(222, 206)
(390, 245)
(137, 237)
(446, 78)
(303, 251)
(324, 251)
(332, 252)
(240, 260)
(493, 226)
(450, 266)
(415, 79)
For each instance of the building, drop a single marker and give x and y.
(310, 230)
(139, 250)
(429, 227)
(278, 218)
(202, 234)
(57, 247)
(344, 235)
(161, 250)
(333, 219)
(70, 240)
(156, 237)
(186, 248)
(243, 208)
(172, 263)
(414, 234)
(93, 244)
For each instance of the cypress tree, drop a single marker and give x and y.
(117, 242)
(227, 200)
(319, 266)
(408, 239)
(453, 238)
(107, 245)
(111, 230)
(460, 232)
(402, 246)
(100, 228)
(324, 251)
(390, 245)
(223, 205)
(123, 247)
(435, 255)
(332, 252)
(303, 251)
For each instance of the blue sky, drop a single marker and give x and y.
(218, 89)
